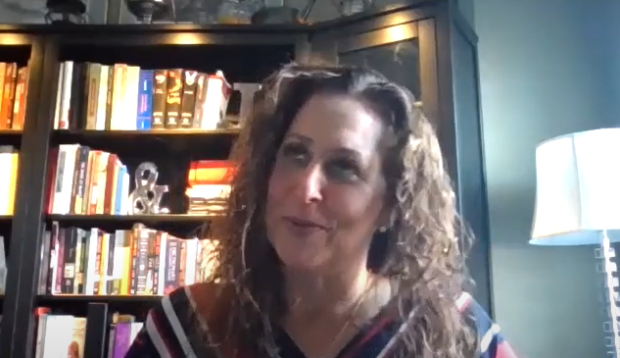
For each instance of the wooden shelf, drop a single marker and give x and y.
(181, 225)
(148, 133)
(51, 299)
(10, 137)
(78, 304)
(5, 222)
(213, 142)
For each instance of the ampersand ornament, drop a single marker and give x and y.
(146, 197)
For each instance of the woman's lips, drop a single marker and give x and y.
(302, 227)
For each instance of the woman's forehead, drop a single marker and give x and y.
(329, 121)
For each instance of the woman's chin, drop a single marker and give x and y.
(302, 266)
(299, 261)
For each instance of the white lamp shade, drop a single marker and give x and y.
(578, 189)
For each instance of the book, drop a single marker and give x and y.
(93, 96)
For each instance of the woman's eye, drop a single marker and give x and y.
(296, 153)
(342, 169)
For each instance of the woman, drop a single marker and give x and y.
(341, 236)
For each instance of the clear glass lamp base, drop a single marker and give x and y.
(605, 255)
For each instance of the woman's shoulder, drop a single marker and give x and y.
(200, 297)
(476, 315)
(184, 320)
(491, 341)
(200, 301)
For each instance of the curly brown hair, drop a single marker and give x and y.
(422, 250)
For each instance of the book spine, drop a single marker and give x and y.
(160, 88)
(173, 98)
(145, 100)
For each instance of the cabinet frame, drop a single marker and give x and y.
(23, 260)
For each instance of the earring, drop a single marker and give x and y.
(382, 229)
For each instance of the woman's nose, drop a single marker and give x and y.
(310, 185)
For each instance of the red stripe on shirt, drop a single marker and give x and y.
(504, 351)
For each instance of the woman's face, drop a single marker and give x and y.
(326, 190)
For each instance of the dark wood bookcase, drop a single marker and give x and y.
(424, 45)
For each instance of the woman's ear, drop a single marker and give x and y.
(384, 220)
(380, 244)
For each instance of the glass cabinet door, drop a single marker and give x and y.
(393, 51)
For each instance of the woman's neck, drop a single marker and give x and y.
(326, 311)
(312, 294)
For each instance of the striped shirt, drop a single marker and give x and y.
(172, 330)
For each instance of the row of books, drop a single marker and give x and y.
(13, 92)
(96, 96)
(84, 181)
(9, 163)
(140, 261)
(61, 335)
(208, 186)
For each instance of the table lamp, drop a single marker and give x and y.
(578, 203)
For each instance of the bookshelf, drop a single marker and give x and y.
(23, 50)
(437, 62)
(178, 224)
(10, 137)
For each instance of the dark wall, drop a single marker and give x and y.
(547, 68)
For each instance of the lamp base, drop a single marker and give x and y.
(605, 255)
